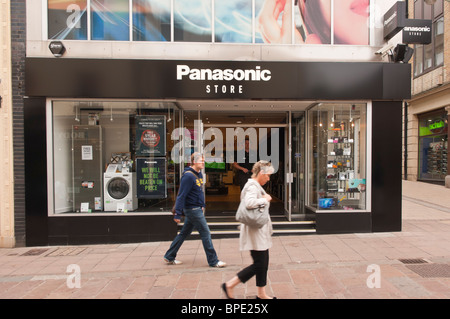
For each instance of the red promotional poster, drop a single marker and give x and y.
(150, 138)
(150, 135)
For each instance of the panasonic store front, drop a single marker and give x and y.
(107, 143)
(120, 93)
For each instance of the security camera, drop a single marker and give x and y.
(57, 48)
(384, 50)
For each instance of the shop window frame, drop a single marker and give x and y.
(254, 27)
(420, 117)
(368, 161)
(436, 14)
(51, 189)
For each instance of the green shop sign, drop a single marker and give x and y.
(434, 127)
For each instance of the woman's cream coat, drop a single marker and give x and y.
(255, 238)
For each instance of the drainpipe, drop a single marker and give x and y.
(405, 136)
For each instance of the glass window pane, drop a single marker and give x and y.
(98, 152)
(233, 21)
(110, 20)
(418, 60)
(337, 157)
(433, 146)
(192, 20)
(428, 54)
(313, 22)
(351, 22)
(418, 9)
(67, 20)
(438, 8)
(427, 11)
(439, 41)
(151, 20)
(273, 22)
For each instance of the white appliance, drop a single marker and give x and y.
(119, 190)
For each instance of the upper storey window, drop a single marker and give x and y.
(333, 22)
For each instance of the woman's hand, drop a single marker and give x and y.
(271, 31)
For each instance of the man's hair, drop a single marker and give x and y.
(195, 157)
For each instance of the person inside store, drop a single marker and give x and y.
(253, 239)
(243, 164)
(190, 202)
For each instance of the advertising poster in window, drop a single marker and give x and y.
(151, 135)
(151, 178)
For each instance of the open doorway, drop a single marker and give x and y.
(224, 138)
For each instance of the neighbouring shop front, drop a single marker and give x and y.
(106, 141)
(433, 146)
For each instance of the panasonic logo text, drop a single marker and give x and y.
(256, 74)
(417, 29)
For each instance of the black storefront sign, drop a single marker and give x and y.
(151, 178)
(165, 79)
(394, 20)
(417, 31)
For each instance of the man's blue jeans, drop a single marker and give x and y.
(194, 218)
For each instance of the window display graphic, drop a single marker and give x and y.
(110, 20)
(67, 19)
(151, 178)
(150, 135)
(234, 21)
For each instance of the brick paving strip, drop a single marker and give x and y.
(302, 267)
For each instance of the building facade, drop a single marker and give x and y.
(7, 237)
(118, 94)
(426, 124)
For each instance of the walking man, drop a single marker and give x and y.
(191, 202)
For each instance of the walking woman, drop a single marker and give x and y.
(256, 240)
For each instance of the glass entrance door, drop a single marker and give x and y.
(222, 187)
(298, 163)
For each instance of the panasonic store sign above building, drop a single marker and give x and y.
(394, 20)
(417, 31)
(414, 31)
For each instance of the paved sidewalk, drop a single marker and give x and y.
(343, 266)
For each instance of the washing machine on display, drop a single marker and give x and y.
(119, 190)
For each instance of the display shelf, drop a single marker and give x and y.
(343, 189)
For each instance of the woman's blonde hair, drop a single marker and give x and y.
(262, 166)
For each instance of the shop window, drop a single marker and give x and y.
(230, 21)
(337, 157)
(433, 146)
(233, 21)
(67, 19)
(110, 20)
(331, 22)
(112, 157)
(192, 20)
(428, 57)
(151, 20)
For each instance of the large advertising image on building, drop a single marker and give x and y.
(231, 21)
